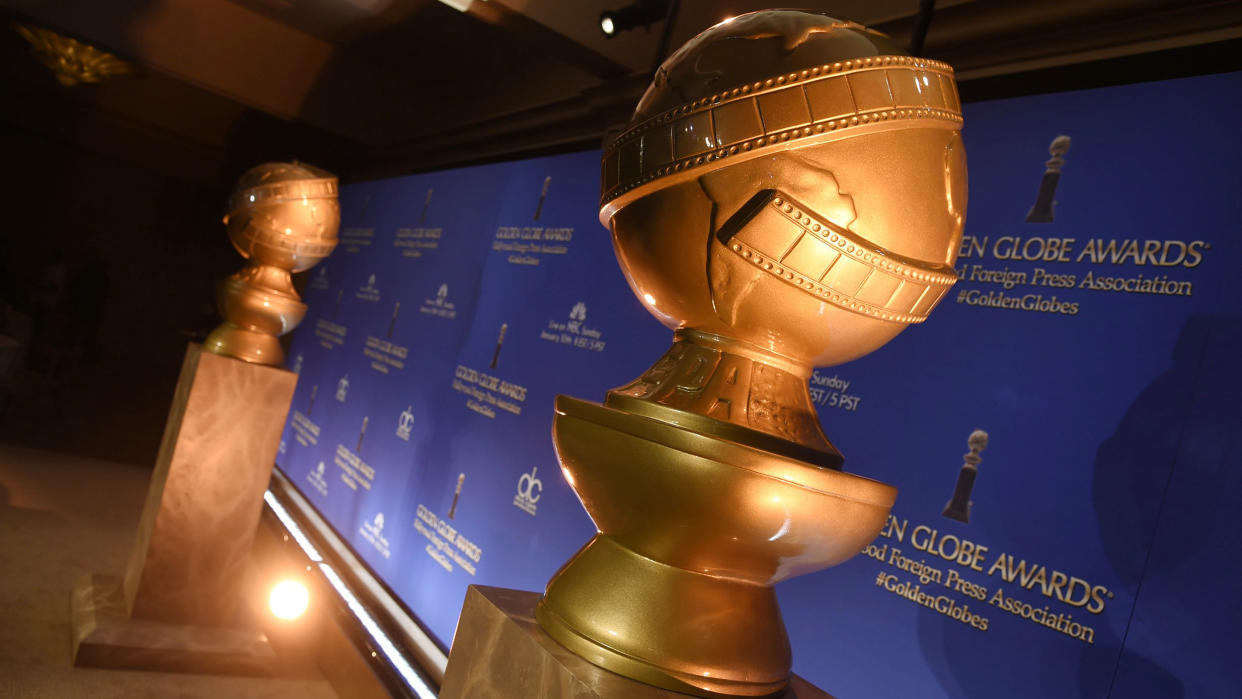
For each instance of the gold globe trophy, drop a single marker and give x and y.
(283, 218)
(790, 193)
(175, 606)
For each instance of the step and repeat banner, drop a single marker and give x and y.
(1086, 368)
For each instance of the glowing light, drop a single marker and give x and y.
(607, 26)
(289, 599)
(395, 658)
(650, 299)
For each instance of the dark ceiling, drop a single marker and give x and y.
(375, 87)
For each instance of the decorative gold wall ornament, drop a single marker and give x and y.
(71, 61)
(283, 218)
(790, 193)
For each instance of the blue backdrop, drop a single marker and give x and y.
(1098, 351)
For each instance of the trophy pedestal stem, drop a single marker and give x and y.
(186, 574)
(731, 390)
(254, 346)
(499, 651)
(673, 616)
(255, 314)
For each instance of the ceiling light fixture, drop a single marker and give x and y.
(643, 13)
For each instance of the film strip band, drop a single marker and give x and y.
(811, 105)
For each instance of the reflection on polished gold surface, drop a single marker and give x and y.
(283, 218)
(71, 61)
(789, 194)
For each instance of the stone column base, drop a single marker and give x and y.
(106, 636)
(499, 651)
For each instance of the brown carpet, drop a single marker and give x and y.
(62, 516)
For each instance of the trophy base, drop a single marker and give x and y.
(684, 615)
(499, 651)
(676, 589)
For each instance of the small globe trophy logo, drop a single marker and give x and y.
(790, 193)
(283, 218)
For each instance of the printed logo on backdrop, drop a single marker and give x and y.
(305, 430)
(354, 472)
(529, 490)
(449, 548)
(1044, 210)
(392, 321)
(439, 305)
(543, 196)
(1043, 273)
(329, 333)
(373, 533)
(368, 291)
(404, 423)
(959, 505)
(354, 239)
(362, 433)
(282, 447)
(342, 388)
(317, 480)
(319, 280)
(500, 343)
(386, 355)
(297, 364)
(487, 393)
(461, 478)
(968, 582)
(574, 332)
(528, 245)
(419, 240)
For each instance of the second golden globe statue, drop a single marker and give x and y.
(790, 193)
(283, 218)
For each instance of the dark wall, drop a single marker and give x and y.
(113, 265)
(111, 244)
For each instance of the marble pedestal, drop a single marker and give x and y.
(499, 651)
(176, 608)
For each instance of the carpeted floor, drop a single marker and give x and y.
(60, 517)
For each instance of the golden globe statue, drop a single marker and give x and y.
(283, 218)
(790, 193)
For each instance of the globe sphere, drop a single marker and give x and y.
(285, 215)
(793, 181)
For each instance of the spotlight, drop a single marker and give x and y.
(289, 599)
(639, 14)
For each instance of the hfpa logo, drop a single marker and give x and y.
(405, 423)
(529, 490)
